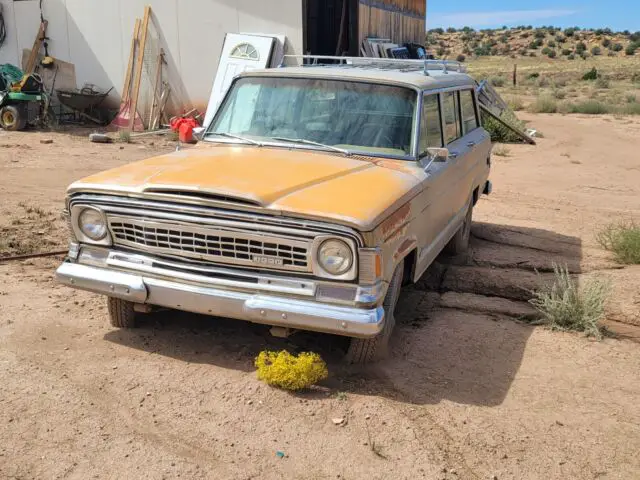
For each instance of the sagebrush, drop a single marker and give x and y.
(567, 305)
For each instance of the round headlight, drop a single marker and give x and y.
(92, 224)
(335, 257)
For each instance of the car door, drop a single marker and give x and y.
(465, 141)
(435, 214)
(474, 169)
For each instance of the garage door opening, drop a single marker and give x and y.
(331, 27)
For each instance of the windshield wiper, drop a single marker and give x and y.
(237, 137)
(304, 141)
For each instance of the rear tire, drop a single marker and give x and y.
(12, 118)
(366, 350)
(459, 244)
(121, 313)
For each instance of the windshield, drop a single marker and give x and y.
(340, 115)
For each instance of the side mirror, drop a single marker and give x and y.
(438, 154)
(198, 133)
(434, 155)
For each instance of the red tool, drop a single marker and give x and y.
(184, 127)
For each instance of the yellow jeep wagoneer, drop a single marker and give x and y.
(315, 193)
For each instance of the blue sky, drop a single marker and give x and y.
(616, 14)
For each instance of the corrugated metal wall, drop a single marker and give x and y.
(95, 35)
(399, 20)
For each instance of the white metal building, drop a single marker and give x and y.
(95, 35)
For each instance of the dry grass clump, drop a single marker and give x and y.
(501, 150)
(589, 107)
(290, 372)
(544, 104)
(623, 239)
(124, 136)
(566, 305)
(515, 103)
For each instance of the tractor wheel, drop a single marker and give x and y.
(12, 118)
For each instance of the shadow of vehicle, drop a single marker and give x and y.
(464, 354)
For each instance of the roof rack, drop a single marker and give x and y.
(381, 63)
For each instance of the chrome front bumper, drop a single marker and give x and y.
(257, 308)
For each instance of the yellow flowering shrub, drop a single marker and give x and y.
(291, 372)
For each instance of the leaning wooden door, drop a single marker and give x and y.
(240, 53)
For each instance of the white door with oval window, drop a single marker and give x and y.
(240, 53)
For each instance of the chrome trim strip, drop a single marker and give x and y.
(162, 268)
(269, 310)
(415, 145)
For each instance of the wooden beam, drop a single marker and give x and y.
(35, 50)
(155, 104)
(126, 89)
(139, 65)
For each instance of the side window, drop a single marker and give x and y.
(469, 119)
(430, 125)
(451, 117)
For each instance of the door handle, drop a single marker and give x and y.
(453, 155)
(471, 144)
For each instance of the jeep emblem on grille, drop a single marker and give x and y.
(264, 260)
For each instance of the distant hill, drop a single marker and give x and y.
(526, 41)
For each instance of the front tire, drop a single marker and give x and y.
(121, 313)
(366, 350)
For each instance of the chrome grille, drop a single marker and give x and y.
(213, 244)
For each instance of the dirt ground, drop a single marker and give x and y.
(470, 391)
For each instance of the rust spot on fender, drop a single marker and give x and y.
(396, 220)
(404, 247)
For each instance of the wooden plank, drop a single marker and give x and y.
(34, 255)
(126, 89)
(30, 66)
(522, 135)
(139, 65)
(155, 105)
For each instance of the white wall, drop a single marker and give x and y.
(95, 35)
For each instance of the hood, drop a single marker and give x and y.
(356, 191)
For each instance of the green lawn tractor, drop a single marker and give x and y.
(22, 98)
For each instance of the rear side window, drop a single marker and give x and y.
(469, 119)
(430, 125)
(451, 117)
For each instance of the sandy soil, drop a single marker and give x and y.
(469, 392)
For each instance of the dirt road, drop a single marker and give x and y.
(469, 391)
